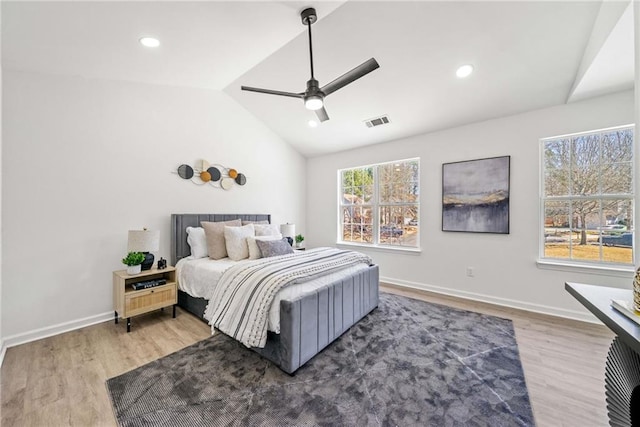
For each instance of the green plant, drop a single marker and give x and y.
(299, 238)
(133, 258)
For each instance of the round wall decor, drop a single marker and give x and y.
(226, 183)
(217, 175)
(205, 176)
(185, 171)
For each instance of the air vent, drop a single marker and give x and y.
(378, 121)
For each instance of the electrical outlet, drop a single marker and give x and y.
(469, 271)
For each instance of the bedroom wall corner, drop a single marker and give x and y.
(2, 346)
(90, 159)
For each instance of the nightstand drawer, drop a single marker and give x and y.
(145, 300)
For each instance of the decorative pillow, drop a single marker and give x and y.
(255, 222)
(214, 231)
(274, 247)
(197, 242)
(267, 230)
(236, 241)
(254, 250)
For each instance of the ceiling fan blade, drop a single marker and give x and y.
(322, 115)
(350, 76)
(272, 92)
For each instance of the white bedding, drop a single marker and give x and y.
(199, 277)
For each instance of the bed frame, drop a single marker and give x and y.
(308, 323)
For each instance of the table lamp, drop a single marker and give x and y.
(144, 241)
(288, 231)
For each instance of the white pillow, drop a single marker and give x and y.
(254, 250)
(266, 229)
(236, 241)
(197, 242)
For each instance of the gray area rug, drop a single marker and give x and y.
(408, 363)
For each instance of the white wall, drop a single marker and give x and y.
(2, 347)
(86, 160)
(505, 265)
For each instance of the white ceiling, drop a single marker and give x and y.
(203, 44)
(527, 55)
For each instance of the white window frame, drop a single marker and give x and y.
(591, 266)
(375, 208)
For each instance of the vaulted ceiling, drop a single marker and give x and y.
(526, 55)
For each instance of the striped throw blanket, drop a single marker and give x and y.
(240, 303)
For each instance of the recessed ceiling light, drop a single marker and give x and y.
(464, 71)
(149, 42)
(313, 123)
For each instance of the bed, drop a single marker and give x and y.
(307, 322)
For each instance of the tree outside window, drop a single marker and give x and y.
(379, 204)
(588, 196)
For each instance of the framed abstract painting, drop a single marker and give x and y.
(475, 195)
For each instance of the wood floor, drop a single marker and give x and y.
(60, 381)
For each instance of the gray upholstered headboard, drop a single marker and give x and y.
(180, 222)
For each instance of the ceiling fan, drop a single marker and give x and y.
(314, 95)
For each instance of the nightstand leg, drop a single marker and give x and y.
(174, 311)
(128, 324)
(116, 316)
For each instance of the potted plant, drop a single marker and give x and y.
(133, 261)
(299, 240)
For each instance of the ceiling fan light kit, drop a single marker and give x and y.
(313, 102)
(314, 96)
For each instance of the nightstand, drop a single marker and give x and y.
(128, 302)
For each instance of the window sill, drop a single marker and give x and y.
(381, 248)
(604, 270)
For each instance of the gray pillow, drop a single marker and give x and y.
(270, 248)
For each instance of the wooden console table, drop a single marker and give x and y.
(622, 372)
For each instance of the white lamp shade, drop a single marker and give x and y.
(288, 230)
(143, 241)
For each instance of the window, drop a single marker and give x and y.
(587, 197)
(379, 204)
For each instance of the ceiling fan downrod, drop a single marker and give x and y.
(309, 17)
(314, 98)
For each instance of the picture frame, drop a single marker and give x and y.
(475, 195)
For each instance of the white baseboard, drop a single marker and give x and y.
(3, 350)
(36, 334)
(505, 302)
